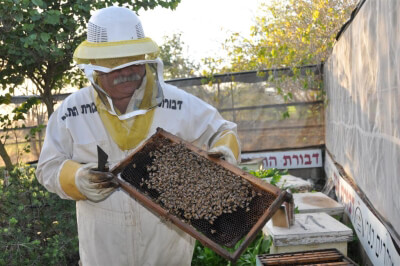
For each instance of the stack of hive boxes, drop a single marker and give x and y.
(315, 226)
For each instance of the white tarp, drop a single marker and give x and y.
(362, 78)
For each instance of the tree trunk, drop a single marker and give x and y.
(48, 101)
(6, 158)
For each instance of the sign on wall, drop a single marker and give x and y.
(372, 234)
(288, 159)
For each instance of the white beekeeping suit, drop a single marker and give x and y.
(113, 228)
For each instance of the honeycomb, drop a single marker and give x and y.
(202, 193)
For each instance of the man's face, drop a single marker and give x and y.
(122, 83)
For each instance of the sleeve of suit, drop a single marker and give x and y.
(55, 170)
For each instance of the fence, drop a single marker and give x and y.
(274, 109)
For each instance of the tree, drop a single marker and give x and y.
(38, 38)
(290, 33)
(175, 64)
(37, 41)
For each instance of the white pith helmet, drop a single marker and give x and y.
(114, 32)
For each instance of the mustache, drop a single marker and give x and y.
(128, 78)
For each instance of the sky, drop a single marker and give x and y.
(204, 24)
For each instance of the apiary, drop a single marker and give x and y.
(213, 201)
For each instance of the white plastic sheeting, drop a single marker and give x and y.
(362, 78)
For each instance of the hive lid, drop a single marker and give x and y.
(311, 202)
(310, 228)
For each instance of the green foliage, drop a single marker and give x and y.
(260, 245)
(290, 33)
(13, 120)
(36, 226)
(272, 173)
(21, 110)
(175, 63)
(205, 256)
(38, 39)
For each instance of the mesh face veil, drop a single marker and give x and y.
(116, 40)
(142, 102)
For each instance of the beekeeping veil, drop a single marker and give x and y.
(115, 40)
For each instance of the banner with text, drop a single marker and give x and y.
(372, 234)
(288, 159)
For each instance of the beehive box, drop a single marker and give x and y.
(316, 257)
(311, 231)
(213, 201)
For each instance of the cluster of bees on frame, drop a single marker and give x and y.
(192, 187)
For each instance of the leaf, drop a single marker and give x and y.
(274, 53)
(315, 15)
(6, 99)
(19, 17)
(275, 179)
(13, 221)
(44, 36)
(32, 36)
(52, 17)
(28, 27)
(285, 115)
(266, 244)
(39, 3)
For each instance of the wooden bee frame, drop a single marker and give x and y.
(228, 224)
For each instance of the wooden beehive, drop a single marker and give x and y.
(228, 228)
(315, 257)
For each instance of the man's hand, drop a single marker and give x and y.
(95, 185)
(224, 153)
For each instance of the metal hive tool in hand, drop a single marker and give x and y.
(208, 198)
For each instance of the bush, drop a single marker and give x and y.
(205, 256)
(39, 228)
(36, 226)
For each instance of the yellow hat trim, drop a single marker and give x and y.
(128, 135)
(90, 50)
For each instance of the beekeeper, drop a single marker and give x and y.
(126, 102)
